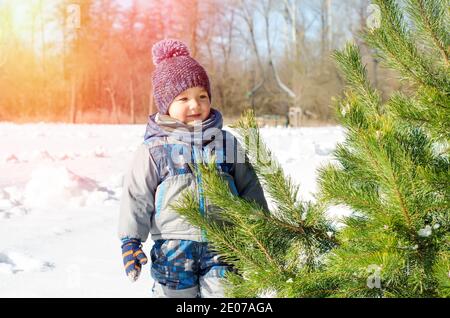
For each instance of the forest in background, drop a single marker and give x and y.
(89, 61)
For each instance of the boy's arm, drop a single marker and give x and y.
(246, 180)
(137, 202)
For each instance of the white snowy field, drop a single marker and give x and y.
(60, 187)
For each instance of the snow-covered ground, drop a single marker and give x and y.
(60, 187)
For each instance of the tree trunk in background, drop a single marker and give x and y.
(325, 36)
(113, 103)
(291, 12)
(151, 103)
(41, 12)
(275, 75)
(73, 100)
(132, 104)
(365, 49)
(249, 21)
(194, 25)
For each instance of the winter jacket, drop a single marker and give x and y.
(160, 174)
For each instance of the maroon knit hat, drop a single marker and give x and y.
(175, 72)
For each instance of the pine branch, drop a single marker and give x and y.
(279, 186)
(222, 236)
(349, 62)
(416, 109)
(428, 17)
(290, 213)
(396, 47)
(243, 215)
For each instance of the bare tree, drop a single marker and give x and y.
(249, 20)
(325, 34)
(271, 71)
(42, 30)
(5, 33)
(267, 11)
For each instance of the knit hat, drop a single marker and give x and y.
(175, 72)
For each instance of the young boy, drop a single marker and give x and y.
(185, 130)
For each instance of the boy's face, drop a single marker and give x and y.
(191, 106)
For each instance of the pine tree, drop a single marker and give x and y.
(393, 167)
(392, 171)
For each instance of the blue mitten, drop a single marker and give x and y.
(133, 258)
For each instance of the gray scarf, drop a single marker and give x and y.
(165, 126)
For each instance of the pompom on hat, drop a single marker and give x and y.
(175, 71)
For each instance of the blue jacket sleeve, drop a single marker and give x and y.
(246, 180)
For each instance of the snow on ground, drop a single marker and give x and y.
(60, 188)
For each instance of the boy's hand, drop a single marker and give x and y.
(133, 258)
